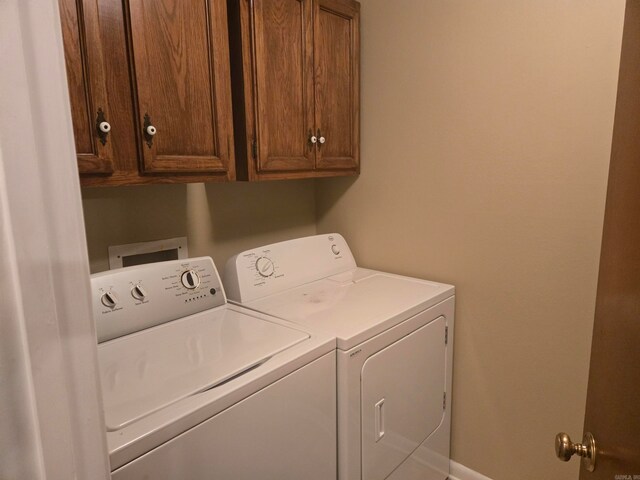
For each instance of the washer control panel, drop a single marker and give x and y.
(130, 299)
(274, 268)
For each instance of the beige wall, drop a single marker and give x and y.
(219, 219)
(486, 129)
(486, 133)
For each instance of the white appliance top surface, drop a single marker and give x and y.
(354, 305)
(146, 371)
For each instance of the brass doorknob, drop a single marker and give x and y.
(565, 449)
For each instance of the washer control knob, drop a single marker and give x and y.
(335, 249)
(109, 299)
(138, 292)
(190, 279)
(265, 266)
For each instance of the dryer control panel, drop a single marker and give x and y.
(274, 268)
(127, 300)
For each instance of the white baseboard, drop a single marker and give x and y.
(460, 472)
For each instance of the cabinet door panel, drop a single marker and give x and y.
(181, 62)
(337, 42)
(86, 80)
(283, 84)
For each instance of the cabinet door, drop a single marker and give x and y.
(337, 74)
(283, 73)
(86, 79)
(182, 86)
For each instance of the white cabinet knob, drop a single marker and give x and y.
(102, 127)
(322, 140)
(149, 130)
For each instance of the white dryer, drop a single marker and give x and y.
(195, 388)
(394, 350)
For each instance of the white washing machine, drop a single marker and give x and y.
(195, 388)
(394, 350)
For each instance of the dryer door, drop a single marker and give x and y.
(402, 398)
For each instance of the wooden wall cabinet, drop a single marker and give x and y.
(158, 71)
(296, 76)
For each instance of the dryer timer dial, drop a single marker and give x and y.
(265, 266)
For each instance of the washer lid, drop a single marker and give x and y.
(146, 371)
(355, 305)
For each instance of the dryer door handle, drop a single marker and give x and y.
(379, 419)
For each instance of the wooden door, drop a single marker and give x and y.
(613, 398)
(87, 86)
(182, 86)
(283, 90)
(337, 76)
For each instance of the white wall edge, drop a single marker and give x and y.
(460, 472)
(55, 423)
